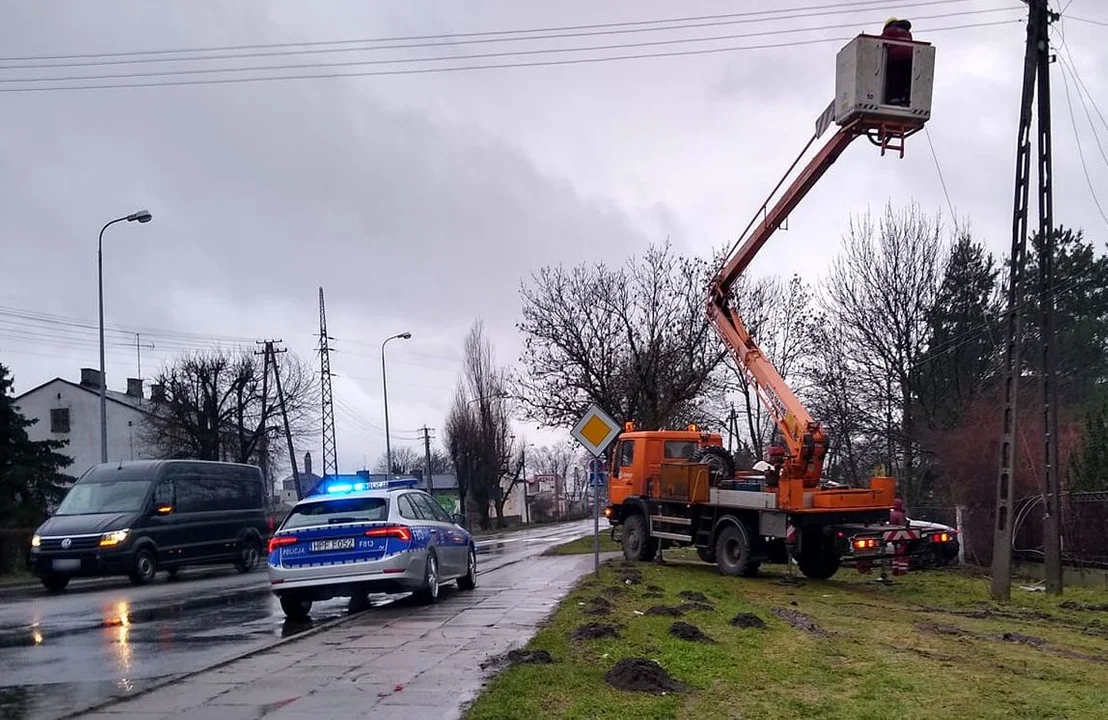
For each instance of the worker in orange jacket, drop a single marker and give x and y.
(898, 70)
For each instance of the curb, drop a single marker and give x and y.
(170, 680)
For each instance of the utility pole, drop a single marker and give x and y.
(732, 429)
(138, 352)
(427, 458)
(330, 449)
(1036, 67)
(271, 360)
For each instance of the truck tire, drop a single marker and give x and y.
(720, 462)
(636, 544)
(819, 558)
(733, 551)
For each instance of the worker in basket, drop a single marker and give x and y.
(898, 67)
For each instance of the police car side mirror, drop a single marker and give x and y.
(458, 519)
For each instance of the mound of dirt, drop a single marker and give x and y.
(641, 675)
(629, 576)
(593, 631)
(800, 621)
(748, 620)
(1072, 605)
(688, 631)
(653, 594)
(519, 657)
(669, 610)
(615, 590)
(597, 606)
(655, 588)
(696, 607)
(693, 596)
(1014, 637)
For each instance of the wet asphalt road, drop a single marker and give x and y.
(104, 639)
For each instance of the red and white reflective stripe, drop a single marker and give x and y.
(900, 535)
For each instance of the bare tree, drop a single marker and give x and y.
(882, 289)
(217, 405)
(405, 459)
(635, 340)
(486, 456)
(561, 460)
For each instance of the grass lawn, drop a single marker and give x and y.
(584, 545)
(19, 578)
(932, 645)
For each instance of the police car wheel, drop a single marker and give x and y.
(429, 593)
(295, 608)
(469, 580)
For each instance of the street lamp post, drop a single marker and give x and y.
(385, 393)
(142, 216)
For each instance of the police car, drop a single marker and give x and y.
(355, 538)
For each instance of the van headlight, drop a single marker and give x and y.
(116, 537)
(36, 541)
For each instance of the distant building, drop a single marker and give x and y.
(66, 410)
(286, 488)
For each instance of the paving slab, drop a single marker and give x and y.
(398, 661)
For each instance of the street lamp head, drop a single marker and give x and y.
(142, 216)
(405, 336)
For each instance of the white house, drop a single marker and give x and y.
(70, 411)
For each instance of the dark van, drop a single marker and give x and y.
(136, 518)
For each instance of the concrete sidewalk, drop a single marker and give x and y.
(398, 662)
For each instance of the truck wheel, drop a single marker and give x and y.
(636, 544)
(720, 463)
(706, 554)
(733, 551)
(819, 557)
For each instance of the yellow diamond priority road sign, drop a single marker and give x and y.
(595, 430)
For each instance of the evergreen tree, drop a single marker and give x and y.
(31, 477)
(1080, 314)
(1088, 469)
(963, 333)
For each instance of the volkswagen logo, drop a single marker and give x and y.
(66, 544)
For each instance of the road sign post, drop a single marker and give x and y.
(596, 481)
(596, 431)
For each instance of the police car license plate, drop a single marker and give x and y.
(336, 544)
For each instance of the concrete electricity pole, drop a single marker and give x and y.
(1036, 70)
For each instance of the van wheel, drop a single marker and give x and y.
(296, 608)
(249, 555)
(55, 583)
(145, 567)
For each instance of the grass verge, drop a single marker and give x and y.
(20, 578)
(584, 545)
(930, 645)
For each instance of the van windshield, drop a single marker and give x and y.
(91, 498)
(334, 512)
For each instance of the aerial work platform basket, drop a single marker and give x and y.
(890, 95)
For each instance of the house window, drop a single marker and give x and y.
(59, 420)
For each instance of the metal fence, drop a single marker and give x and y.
(1084, 529)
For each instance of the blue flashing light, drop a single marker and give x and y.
(342, 488)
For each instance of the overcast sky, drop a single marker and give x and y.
(420, 201)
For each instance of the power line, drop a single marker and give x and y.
(1082, 93)
(1087, 20)
(454, 58)
(465, 68)
(938, 167)
(1080, 151)
(348, 46)
(828, 8)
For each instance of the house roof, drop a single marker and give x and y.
(114, 395)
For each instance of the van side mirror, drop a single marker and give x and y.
(163, 509)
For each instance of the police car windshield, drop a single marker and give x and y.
(338, 510)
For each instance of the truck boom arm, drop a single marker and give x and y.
(804, 439)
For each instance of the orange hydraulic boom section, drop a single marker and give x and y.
(804, 439)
